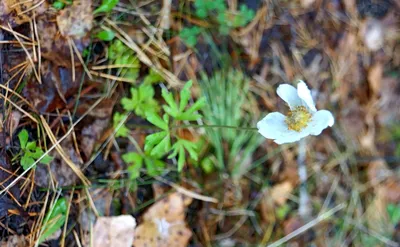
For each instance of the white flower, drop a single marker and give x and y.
(302, 120)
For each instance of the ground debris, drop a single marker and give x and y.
(114, 231)
(164, 223)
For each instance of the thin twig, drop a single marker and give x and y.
(308, 225)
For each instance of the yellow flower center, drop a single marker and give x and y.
(298, 118)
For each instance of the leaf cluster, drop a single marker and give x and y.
(31, 152)
(164, 143)
(120, 54)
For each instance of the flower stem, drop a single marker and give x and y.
(304, 198)
(143, 126)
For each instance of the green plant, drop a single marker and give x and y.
(30, 151)
(106, 6)
(105, 35)
(141, 100)
(158, 145)
(227, 95)
(121, 55)
(60, 4)
(394, 213)
(153, 165)
(189, 35)
(225, 18)
(54, 219)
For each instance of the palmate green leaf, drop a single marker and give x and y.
(136, 162)
(158, 144)
(157, 120)
(179, 113)
(172, 108)
(141, 100)
(178, 149)
(54, 219)
(23, 137)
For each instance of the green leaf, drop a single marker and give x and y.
(162, 147)
(207, 165)
(46, 159)
(105, 35)
(58, 5)
(106, 6)
(152, 77)
(26, 162)
(185, 96)
(136, 161)
(134, 170)
(36, 154)
(172, 108)
(394, 213)
(154, 167)
(132, 157)
(190, 35)
(178, 149)
(157, 121)
(141, 101)
(123, 131)
(54, 219)
(181, 159)
(31, 146)
(23, 138)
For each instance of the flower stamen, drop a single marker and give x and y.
(298, 118)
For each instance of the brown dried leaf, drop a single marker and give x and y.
(162, 234)
(76, 20)
(281, 192)
(375, 77)
(164, 223)
(114, 231)
(57, 85)
(55, 47)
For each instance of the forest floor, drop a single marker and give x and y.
(133, 123)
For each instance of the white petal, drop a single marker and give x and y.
(273, 126)
(305, 95)
(289, 94)
(320, 121)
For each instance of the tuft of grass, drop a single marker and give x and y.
(226, 93)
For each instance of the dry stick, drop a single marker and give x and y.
(307, 226)
(51, 148)
(62, 153)
(304, 198)
(186, 192)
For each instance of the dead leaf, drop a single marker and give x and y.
(375, 74)
(76, 20)
(114, 231)
(164, 223)
(57, 86)
(15, 11)
(281, 192)
(373, 34)
(14, 241)
(55, 47)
